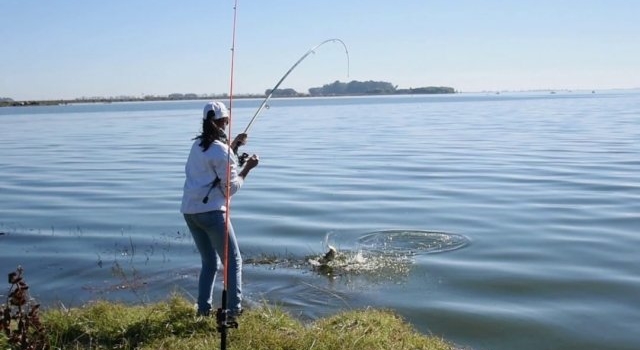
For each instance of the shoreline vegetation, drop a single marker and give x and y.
(173, 324)
(337, 88)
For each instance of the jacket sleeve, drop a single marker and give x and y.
(224, 157)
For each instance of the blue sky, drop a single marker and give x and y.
(85, 48)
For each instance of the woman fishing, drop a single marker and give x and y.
(212, 169)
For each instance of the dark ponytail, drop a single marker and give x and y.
(210, 133)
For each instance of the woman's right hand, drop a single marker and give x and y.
(252, 161)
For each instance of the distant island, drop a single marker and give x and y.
(358, 88)
(337, 88)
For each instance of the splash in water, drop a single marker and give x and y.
(385, 253)
(381, 254)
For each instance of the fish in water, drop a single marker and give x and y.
(329, 256)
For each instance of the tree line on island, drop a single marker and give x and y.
(337, 88)
(355, 87)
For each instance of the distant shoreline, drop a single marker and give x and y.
(59, 102)
(191, 97)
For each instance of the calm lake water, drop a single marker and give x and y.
(542, 189)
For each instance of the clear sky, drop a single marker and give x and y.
(84, 48)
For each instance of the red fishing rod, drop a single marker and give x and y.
(222, 314)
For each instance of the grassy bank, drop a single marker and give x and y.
(172, 324)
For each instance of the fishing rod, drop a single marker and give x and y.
(222, 314)
(311, 50)
(244, 156)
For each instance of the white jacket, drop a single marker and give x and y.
(201, 170)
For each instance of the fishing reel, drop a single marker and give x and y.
(242, 158)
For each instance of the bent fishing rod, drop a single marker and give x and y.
(244, 156)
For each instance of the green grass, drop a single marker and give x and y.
(172, 324)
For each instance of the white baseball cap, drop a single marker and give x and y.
(219, 109)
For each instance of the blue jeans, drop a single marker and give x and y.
(208, 230)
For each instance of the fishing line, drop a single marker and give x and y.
(311, 50)
(242, 158)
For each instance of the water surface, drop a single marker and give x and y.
(543, 188)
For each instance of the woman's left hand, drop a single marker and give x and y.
(240, 140)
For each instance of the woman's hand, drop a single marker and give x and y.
(252, 161)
